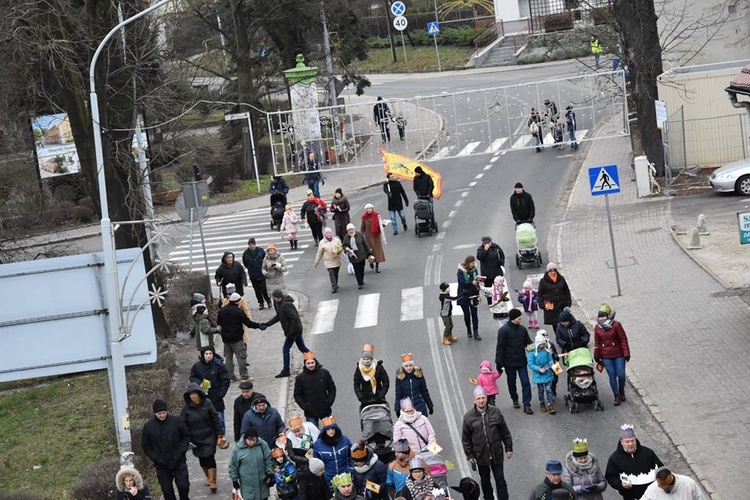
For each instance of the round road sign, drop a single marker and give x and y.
(398, 8)
(400, 23)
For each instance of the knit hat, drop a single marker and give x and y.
(527, 283)
(580, 447)
(554, 467)
(250, 433)
(444, 286)
(486, 239)
(359, 451)
(407, 359)
(308, 355)
(251, 241)
(401, 446)
(235, 297)
(294, 422)
(159, 405)
(540, 338)
(350, 226)
(565, 315)
(343, 479)
(231, 288)
(417, 463)
(368, 351)
(406, 404)
(368, 205)
(309, 192)
(198, 297)
(328, 230)
(513, 314)
(518, 185)
(627, 431)
(551, 266)
(316, 465)
(277, 293)
(602, 314)
(246, 384)
(479, 391)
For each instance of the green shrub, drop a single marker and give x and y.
(181, 285)
(463, 35)
(533, 56)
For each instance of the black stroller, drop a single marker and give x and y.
(377, 430)
(424, 218)
(581, 383)
(278, 201)
(557, 134)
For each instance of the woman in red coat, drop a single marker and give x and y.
(612, 350)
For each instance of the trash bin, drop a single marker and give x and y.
(331, 156)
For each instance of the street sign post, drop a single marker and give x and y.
(744, 221)
(433, 28)
(400, 23)
(604, 180)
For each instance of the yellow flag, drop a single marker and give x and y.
(403, 167)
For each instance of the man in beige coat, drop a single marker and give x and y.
(329, 250)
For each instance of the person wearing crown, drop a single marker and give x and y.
(581, 470)
(371, 381)
(410, 383)
(333, 448)
(632, 467)
(314, 389)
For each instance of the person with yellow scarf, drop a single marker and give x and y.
(371, 382)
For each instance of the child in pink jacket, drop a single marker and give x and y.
(487, 379)
(528, 297)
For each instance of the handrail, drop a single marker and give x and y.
(516, 36)
(495, 31)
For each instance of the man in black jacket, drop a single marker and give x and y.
(291, 324)
(510, 355)
(382, 116)
(210, 368)
(423, 184)
(484, 434)
(630, 462)
(230, 271)
(314, 390)
(253, 260)
(242, 404)
(571, 333)
(492, 258)
(230, 319)
(396, 194)
(522, 205)
(165, 440)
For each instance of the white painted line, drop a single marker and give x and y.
(464, 194)
(451, 214)
(493, 160)
(438, 269)
(464, 245)
(489, 166)
(436, 247)
(325, 317)
(473, 183)
(412, 301)
(469, 148)
(581, 134)
(440, 236)
(367, 310)
(446, 224)
(427, 268)
(479, 176)
(496, 145)
(458, 203)
(522, 141)
(443, 152)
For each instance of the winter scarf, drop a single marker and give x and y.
(422, 486)
(410, 419)
(374, 222)
(369, 374)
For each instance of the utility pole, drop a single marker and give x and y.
(387, 5)
(329, 58)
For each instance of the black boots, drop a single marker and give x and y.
(476, 335)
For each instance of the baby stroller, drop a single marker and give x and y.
(377, 430)
(424, 218)
(526, 245)
(438, 469)
(581, 383)
(278, 201)
(557, 133)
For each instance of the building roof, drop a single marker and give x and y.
(741, 82)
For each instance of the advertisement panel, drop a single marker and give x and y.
(55, 150)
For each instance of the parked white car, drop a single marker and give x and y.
(733, 176)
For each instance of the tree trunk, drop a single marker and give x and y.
(639, 38)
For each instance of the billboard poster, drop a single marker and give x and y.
(55, 150)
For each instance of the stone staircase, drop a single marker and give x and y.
(501, 52)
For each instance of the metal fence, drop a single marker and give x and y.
(445, 126)
(696, 142)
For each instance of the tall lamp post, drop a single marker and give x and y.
(116, 371)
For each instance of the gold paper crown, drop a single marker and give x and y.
(294, 422)
(368, 348)
(359, 453)
(341, 480)
(308, 355)
(327, 421)
(580, 446)
(277, 452)
(407, 357)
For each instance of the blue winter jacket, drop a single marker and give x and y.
(536, 359)
(268, 424)
(377, 473)
(334, 452)
(413, 386)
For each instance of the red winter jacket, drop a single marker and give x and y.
(611, 343)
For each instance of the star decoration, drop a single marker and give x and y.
(157, 295)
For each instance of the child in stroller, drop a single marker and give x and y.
(581, 384)
(377, 429)
(278, 202)
(424, 217)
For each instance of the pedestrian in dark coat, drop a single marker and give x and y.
(367, 467)
(553, 486)
(553, 295)
(230, 271)
(312, 212)
(581, 471)
(204, 425)
(631, 463)
(423, 184)
(333, 448)
(165, 440)
(522, 205)
(371, 381)
(492, 258)
(231, 320)
(265, 419)
(242, 404)
(251, 467)
(487, 442)
(510, 355)
(396, 194)
(410, 383)
(288, 316)
(357, 251)
(130, 485)
(253, 258)
(340, 210)
(571, 333)
(314, 389)
(211, 369)
(310, 479)
(468, 295)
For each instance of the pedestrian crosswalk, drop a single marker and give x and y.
(485, 147)
(230, 233)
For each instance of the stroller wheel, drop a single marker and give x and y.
(598, 406)
(518, 261)
(573, 407)
(566, 398)
(272, 225)
(539, 259)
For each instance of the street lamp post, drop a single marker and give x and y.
(116, 371)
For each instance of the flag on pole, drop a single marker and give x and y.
(402, 167)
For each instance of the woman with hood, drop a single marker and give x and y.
(204, 426)
(419, 481)
(289, 226)
(371, 381)
(130, 485)
(372, 228)
(333, 448)
(251, 466)
(368, 468)
(230, 271)
(540, 363)
(340, 211)
(330, 250)
(468, 294)
(571, 333)
(581, 471)
(611, 349)
(202, 329)
(414, 427)
(410, 383)
(553, 295)
(274, 267)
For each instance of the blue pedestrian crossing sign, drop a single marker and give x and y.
(398, 8)
(433, 28)
(604, 180)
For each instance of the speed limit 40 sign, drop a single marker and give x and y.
(400, 23)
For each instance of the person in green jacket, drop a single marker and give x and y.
(596, 49)
(251, 466)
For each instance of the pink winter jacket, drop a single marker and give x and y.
(401, 430)
(487, 380)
